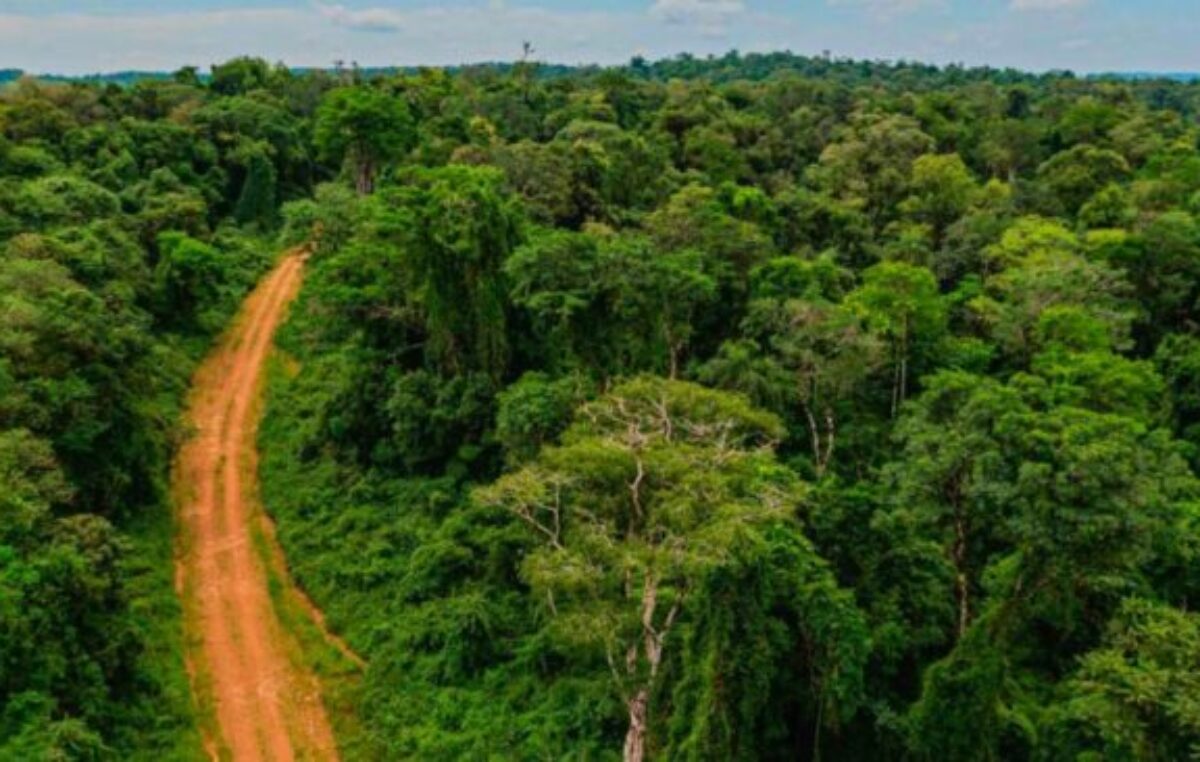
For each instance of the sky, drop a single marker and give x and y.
(86, 36)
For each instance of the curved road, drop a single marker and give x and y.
(244, 665)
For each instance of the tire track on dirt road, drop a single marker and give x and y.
(245, 666)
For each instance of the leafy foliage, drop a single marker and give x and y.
(753, 407)
(934, 499)
(955, 499)
(112, 280)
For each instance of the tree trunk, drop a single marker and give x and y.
(364, 178)
(823, 443)
(830, 439)
(652, 642)
(676, 350)
(896, 384)
(900, 381)
(635, 738)
(814, 433)
(962, 584)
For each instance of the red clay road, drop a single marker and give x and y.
(245, 667)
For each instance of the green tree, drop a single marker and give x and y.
(456, 227)
(870, 166)
(1135, 697)
(1076, 175)
(942, 191)
(189, 275)
(901, 304)
(616, 302)
(1178, 360)
(655, 487)
(658, 297)
(365, 127)
(1091, 496)
(534, 411)
(1041, 266)
(240, 76)
(1162, 263)
(256, 203)
(66, 639)
(817, 347)
(954, 472)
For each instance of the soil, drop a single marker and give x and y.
(246, 668)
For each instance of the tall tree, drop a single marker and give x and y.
(456, 226)
(655, 487)
(256, 203)
(900, 303)
(364, 127)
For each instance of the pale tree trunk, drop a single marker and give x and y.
(638, 704)
(635, 738)
(814, 433)
(823, 443)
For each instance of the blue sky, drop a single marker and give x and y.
(79, 36)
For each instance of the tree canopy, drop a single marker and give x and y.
(751, 407)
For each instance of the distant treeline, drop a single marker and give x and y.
(729, 67)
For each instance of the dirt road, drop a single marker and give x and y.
(245, 667)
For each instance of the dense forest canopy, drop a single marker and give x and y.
(756, 407)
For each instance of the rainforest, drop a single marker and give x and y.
(744, 407)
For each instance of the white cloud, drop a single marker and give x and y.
(1047, 5)
(79, 43)
(366, 19)
(710, 16)
(888, 9)
(319, 34)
